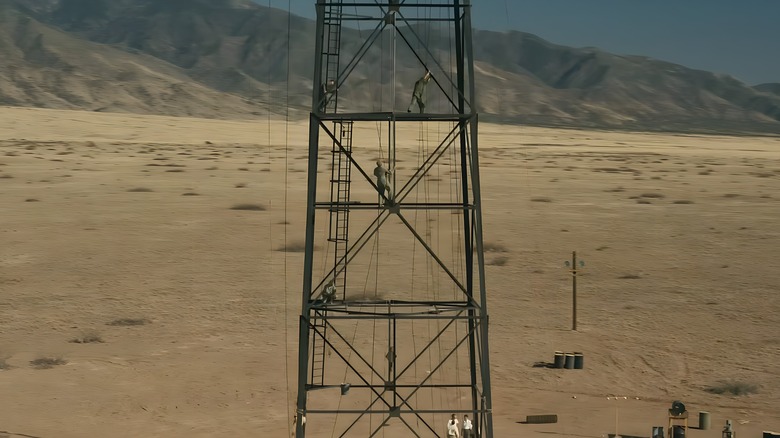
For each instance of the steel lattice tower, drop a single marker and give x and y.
(401, 343)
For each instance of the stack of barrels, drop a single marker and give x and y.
(569, 361)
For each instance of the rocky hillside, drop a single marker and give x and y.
(223, 58)
(49, 68)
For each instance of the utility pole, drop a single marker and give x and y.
(573, 269)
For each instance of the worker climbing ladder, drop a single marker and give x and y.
(331, 35)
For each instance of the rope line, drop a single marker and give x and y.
(286, 184)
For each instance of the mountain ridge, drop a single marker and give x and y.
(236, 51)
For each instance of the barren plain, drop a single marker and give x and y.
(118, 231)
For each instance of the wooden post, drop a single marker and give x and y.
(574, 291)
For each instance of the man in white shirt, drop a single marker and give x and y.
(452, 428)
(468, 428)
(382, 183)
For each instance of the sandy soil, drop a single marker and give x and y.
(110, 218)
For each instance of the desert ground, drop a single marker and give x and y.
(118, 231)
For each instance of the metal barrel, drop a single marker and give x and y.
(569, 361)
(579, 361)
(704, 420)
(558, 359)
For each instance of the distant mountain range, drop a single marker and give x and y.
(229, 58)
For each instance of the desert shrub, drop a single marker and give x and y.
(248, 207)
(653, 195)
(128, 322)
(294, 246)
(683, 201)
(629, 277)
(140, 190)
(541, 199)
(90, 337)
(732, 387)
(44, 363)
(190, 194)
(498, 261)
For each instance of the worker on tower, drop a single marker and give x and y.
(419, 93)
(329, 292)
(382, 183)
(327, 93)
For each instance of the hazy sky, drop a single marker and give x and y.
(737, 37)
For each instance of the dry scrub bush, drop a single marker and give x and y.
(733, 388)
(294, 246)
(248, 207)
(44, 363)
(128, 322)
(90, 337)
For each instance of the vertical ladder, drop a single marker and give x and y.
(331, 49)
(318, 350)
(340, 181)
(341, 177)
